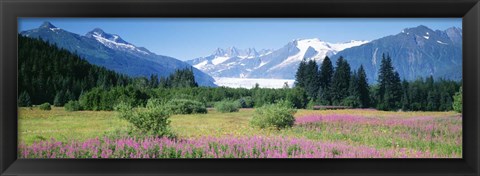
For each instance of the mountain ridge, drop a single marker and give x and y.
(416, 52)
(112, 52)
(269, 63)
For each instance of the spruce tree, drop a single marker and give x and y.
(325, 80)
(383, 79)
(389, 93)
(154, 81)
(396, 92)
(405, 96)
(59, 99)
(353, 98)
(311, 82)
(24, 100)
(363, 88)
(340, 82)
(300, 75)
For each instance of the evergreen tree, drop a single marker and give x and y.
(405, 98)
(390, 89)
(300, 75)
(383, 75)
(395, 89)
(340, 82)
(257, 86)
(24, 100)
(69, 96)
(311, 81)
(353, 98)
(362, 88)
(458, 101)
(154, 81)
(325, 80)
(178, 79)
(59, 99)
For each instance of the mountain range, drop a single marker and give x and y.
(114, 53)
(275, 64)
(415, 52)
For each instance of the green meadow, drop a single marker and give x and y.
(435, 132)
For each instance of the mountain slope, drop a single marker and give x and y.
(415, 52)
(44, 72)
(278, 64)
(111, 51)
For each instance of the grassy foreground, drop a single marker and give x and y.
(434, 134)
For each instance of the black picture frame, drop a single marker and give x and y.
(10, 10)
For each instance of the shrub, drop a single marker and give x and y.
(152, 120)
(45, 107)
(310, 104)
(458, 101)
(351, 101)
(279, 115)
(185, 106)
(227, 106)
(209, 104)
(246, 102)
(73, 106)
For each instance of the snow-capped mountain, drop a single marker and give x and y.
(115, 42)
(114, 53)
(278, 64)
(415, 52)
(232, 58)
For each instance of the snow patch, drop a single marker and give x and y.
(219, 60)
(342, 46)
(54, 29)
(438, 41)
(201, 65)
(261, 64)
(374, 58)
(116, 45)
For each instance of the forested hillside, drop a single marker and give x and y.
(46, 71)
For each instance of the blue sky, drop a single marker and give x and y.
(188, 38)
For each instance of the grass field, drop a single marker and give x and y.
(337, 132)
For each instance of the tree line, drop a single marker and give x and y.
(54, 75)
(341, 86)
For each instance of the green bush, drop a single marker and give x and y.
(152, 120)
(209, 104)
(458, 101)
(279, 115)
(246, 102)
(227, 106)
(45, 107)
(351, 101)
(310, 104)
(185, 106)
(73, 106)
